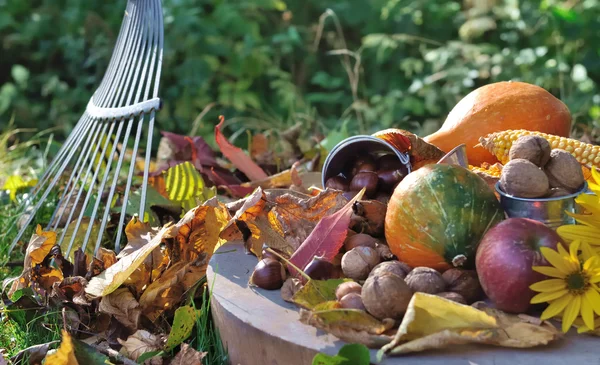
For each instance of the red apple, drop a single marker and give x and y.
(504, 259)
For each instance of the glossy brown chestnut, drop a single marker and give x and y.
(366, 179)
(319, 269)
(268, 274)
(363, 163)
(337, 183)
(388, 179)
(389, 162)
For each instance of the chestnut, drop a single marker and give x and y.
(363, 163)
(366, 179)
(388, 179)
(268, 274)
(319, 269)
(337, 183)
(389, 162)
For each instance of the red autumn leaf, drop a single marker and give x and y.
(239, 159)
(193, 149)
(326, 239)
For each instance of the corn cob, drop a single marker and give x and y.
(494, 170)
(499, 145)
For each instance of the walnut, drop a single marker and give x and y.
(465, 283)
(347, 288)
(352, 301)
(564, 171)
(523, 179)
(532, 148)
(557, 192)
(386, 296)
(395, 267)
(358, 262)
(359, 239)
(425, 280)
(455, 297)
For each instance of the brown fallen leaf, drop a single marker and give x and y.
(263, 233)
(290, 287)
(71, 289)
(369, 339)
(123, 306)
(139, 343)
(188, 356)
(33, 354)
(421, 153)
(354, 319)
(39, 246)
(252, 207)
(278, 180)
(107, 257)
(65, 354)
(369, 217)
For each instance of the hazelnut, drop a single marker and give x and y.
(455, 297)
(359, 239)
(367, 180)
(532, 148)
(358, 262)
(347, 288)
(425, 280)
(319, 269)
(384, 251)
(268, 274)
(352, 301)
(521, 178)
(463, 282)
(386, 296)
(395, 267)
(564, 171)
(337, 183)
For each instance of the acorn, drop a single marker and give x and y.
(364, 163)
(388, 179)
(366, 179)
(319, 269)
(337, 183)
(389, 162)
(268, 274)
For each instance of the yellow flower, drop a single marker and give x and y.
(573, 289)
(589, 228)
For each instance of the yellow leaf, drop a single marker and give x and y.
(315, 292)
(39, 247)
(14, 183)
(354, 319)
(185, 185)
(65, 354)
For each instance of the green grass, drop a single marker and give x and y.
(21, 329)
(206, 338)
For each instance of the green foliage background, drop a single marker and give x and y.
(339, 67)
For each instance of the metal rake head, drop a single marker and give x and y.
(101, 152)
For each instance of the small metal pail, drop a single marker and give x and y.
(550, 211)
(350, 148)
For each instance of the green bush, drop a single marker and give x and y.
(342, 66)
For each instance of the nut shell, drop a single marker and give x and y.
(463, 282)
(386, 296)
(564, 171)
(337, 183)
(268, 274)
(395, 267)
(319, 269)
(347, 288)
(359, 239)
(425, 280)
(367, 180)
(521, 178)
(358, 262)
(352, 301)
(455, 297)
(535, 149)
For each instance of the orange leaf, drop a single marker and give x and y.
(239, 159)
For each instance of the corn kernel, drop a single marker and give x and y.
(578, 151)
(569, 148)
(597, 161)
(561, 145)
(554, 144)
(585, 153)
(584, 161)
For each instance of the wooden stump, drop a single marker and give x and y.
(259, 328)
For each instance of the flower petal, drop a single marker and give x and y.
(571, 312)
(587, 312)
(561, 250)
(548, 296)
(587, 251)
(555, 307)
(595, 279)
(549, 285)
(557, 261)
(594, 298)
(549, 271)
(574, 250)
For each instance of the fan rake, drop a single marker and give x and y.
(96, 155)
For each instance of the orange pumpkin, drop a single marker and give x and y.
(498, 107)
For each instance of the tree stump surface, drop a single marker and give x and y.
(259, 328)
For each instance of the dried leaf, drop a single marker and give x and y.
(290, 288)
(315, 292)
(107, 257)
(253, 206)
(138, 235)
(327, 238)
(183, 148)
(279, 180)
(46, 277)
(188, 356)
(65, 354)
(263, 233)
(237, 156)
(298, 214)
(183, 323)
(71, 289)
(184, 185)
(39, 247)
(33, 354)
(259, 146)
(79, 237)
(139, 343)
(123, 306)
(372, 213)
(353, 319)
(110, 279)
(421, 153)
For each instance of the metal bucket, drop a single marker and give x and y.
(550, 211)
(348, 149)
